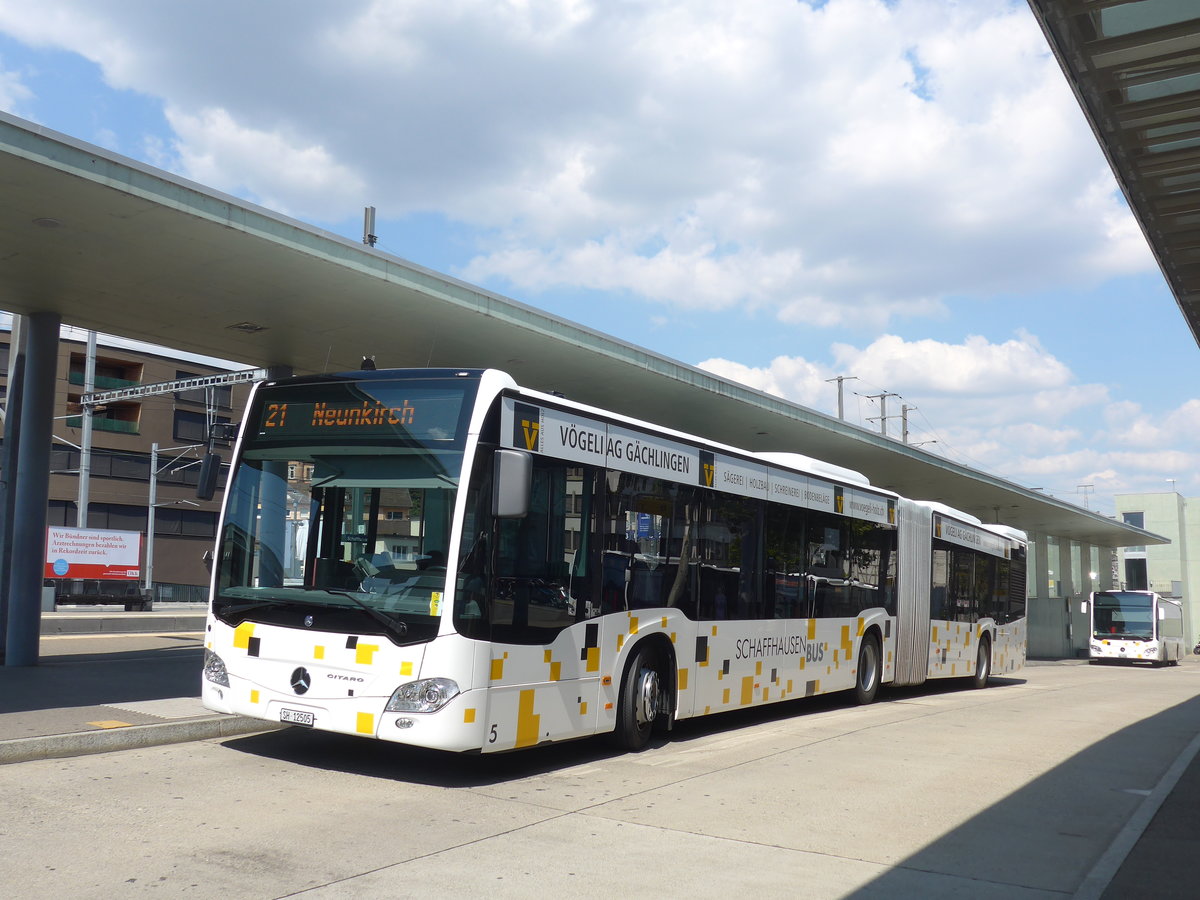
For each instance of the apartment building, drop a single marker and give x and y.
(124, 459)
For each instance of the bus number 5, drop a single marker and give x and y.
(492, 737)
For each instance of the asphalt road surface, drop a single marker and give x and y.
(1017, 791)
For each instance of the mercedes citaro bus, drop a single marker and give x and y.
(446, 559)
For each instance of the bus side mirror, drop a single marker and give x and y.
(210, 468)
(511, 478)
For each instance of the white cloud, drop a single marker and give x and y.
(838, 164)
(284, 172)
(1031, 437)
(1128, 425)
(788, 377)
(13, 91)
(976, 382)
(975, 367)
(1009, 408)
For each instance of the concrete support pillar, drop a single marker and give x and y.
(1087, 583)
(8, 467)
(1079, 615)
(1041, 577)
(1066, 589)
(1066, 585)
(1046, 612)
(32, 487)
(1105, 579)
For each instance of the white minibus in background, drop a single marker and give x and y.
(1139, 626)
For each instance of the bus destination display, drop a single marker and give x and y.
(336, 412)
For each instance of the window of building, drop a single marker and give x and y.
(116, 517)
(192, 427)
(134, 467)
(62, 514)
(1136, 577)
(1137, 520)
(190, 522)
(63, 460)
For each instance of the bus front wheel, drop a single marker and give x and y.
(640, 703)
(866, 686)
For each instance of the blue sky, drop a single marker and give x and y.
(777, 191)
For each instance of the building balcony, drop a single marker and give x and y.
(104, 382)
(99, 423)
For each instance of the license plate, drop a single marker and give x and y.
(297, 717)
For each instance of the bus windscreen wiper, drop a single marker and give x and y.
(233, 608)
(393, 627)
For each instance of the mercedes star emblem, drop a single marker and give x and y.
(301, 680)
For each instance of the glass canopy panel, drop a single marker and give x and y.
(1144, 15)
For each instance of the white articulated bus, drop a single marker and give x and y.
(445, 559)
(1136, 626)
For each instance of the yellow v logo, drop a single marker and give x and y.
(530, 430)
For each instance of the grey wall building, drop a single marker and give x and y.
(1173, 569)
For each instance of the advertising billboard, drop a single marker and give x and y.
(88, 553)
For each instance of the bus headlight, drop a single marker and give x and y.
(214, 669)
(424, 696)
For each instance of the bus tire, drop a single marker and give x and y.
(640, 702)
(983, 664)
(870, 667)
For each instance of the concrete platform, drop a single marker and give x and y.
(113, 680)
(110, 680)
(167, 618)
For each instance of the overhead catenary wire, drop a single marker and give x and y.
(933, 442)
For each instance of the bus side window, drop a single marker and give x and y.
(827, 567)
(729, 551)
(783, 586)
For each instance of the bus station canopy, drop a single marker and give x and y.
(115, 246)
(1135, 69)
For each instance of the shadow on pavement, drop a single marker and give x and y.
(1077, 804)
(396, 762)
(95, 679)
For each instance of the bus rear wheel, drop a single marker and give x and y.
(983, 664)
(640, 702)
(866, 686)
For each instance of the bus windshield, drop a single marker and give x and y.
(1123, 615)
(340, 506)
